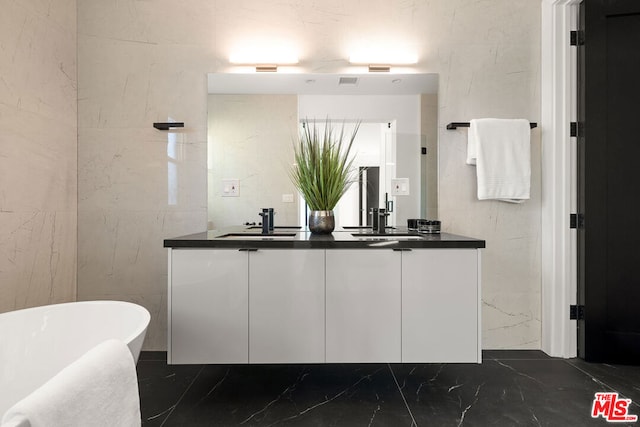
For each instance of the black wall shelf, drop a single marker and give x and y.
(167, 126)
(456, 125)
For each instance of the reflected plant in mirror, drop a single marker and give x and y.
(323, 170)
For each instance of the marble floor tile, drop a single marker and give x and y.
(502, 393)
(510, 388)
(161, 388)
(624, 378)
(310, 395)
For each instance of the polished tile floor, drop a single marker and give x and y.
(509, 388)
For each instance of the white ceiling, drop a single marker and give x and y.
(322, 84)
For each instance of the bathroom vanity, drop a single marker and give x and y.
(237, 296)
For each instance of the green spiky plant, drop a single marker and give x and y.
(323, 169)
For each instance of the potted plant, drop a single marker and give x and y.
(323, 171)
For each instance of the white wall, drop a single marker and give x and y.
(38, 92)
(141, 62)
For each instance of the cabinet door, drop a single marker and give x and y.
(363, 305)
(208, 306)
(440, 306)
(286, 306)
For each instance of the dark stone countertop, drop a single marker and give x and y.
(244, 237)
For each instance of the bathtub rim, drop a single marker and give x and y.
(131, 338)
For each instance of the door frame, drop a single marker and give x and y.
(558, 102)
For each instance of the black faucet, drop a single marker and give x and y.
(382, 220)
(374, 219)
(267, 220)
(271, 219)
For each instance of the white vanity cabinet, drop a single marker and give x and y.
(208, 306)
(409, 306)
(343, 302)
(286, 306)
(246, 306)
(440, 305)
(363, 305)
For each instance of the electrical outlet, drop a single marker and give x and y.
(230, 187)
(400, 186)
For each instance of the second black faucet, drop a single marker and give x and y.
(267, 215)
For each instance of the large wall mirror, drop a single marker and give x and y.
(254, 120)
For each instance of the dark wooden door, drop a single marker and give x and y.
(609, 181)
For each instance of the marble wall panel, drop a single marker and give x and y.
(135, 170)
(37, 258)
(138, 185)
(38, 148)
(141, 62)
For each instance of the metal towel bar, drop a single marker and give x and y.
(456, 125)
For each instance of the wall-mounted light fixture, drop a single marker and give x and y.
(266, 68)
(379, 68)
(380, 61)
(267, 61)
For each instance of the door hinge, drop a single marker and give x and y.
(576, 38)
(576, 312)
(576, 221)
(576, 129)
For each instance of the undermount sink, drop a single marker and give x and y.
(259, 236)
(363, 227)
(390, 236)
(277, 227)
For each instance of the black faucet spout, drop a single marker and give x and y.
(271, 219)
(382, 221)
(267, 215)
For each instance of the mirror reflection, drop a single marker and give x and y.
(254, 120)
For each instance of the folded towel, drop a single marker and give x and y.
(501, 151)
(98, 389)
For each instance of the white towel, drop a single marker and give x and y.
(501, 151)
(98, 389)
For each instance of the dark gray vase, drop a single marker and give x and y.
(321, 222)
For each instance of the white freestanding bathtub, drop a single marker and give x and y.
(37, 343)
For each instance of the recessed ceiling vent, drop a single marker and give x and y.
(348, 81)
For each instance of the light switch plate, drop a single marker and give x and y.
(400, 186)
(287, 198)
(230, 187)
